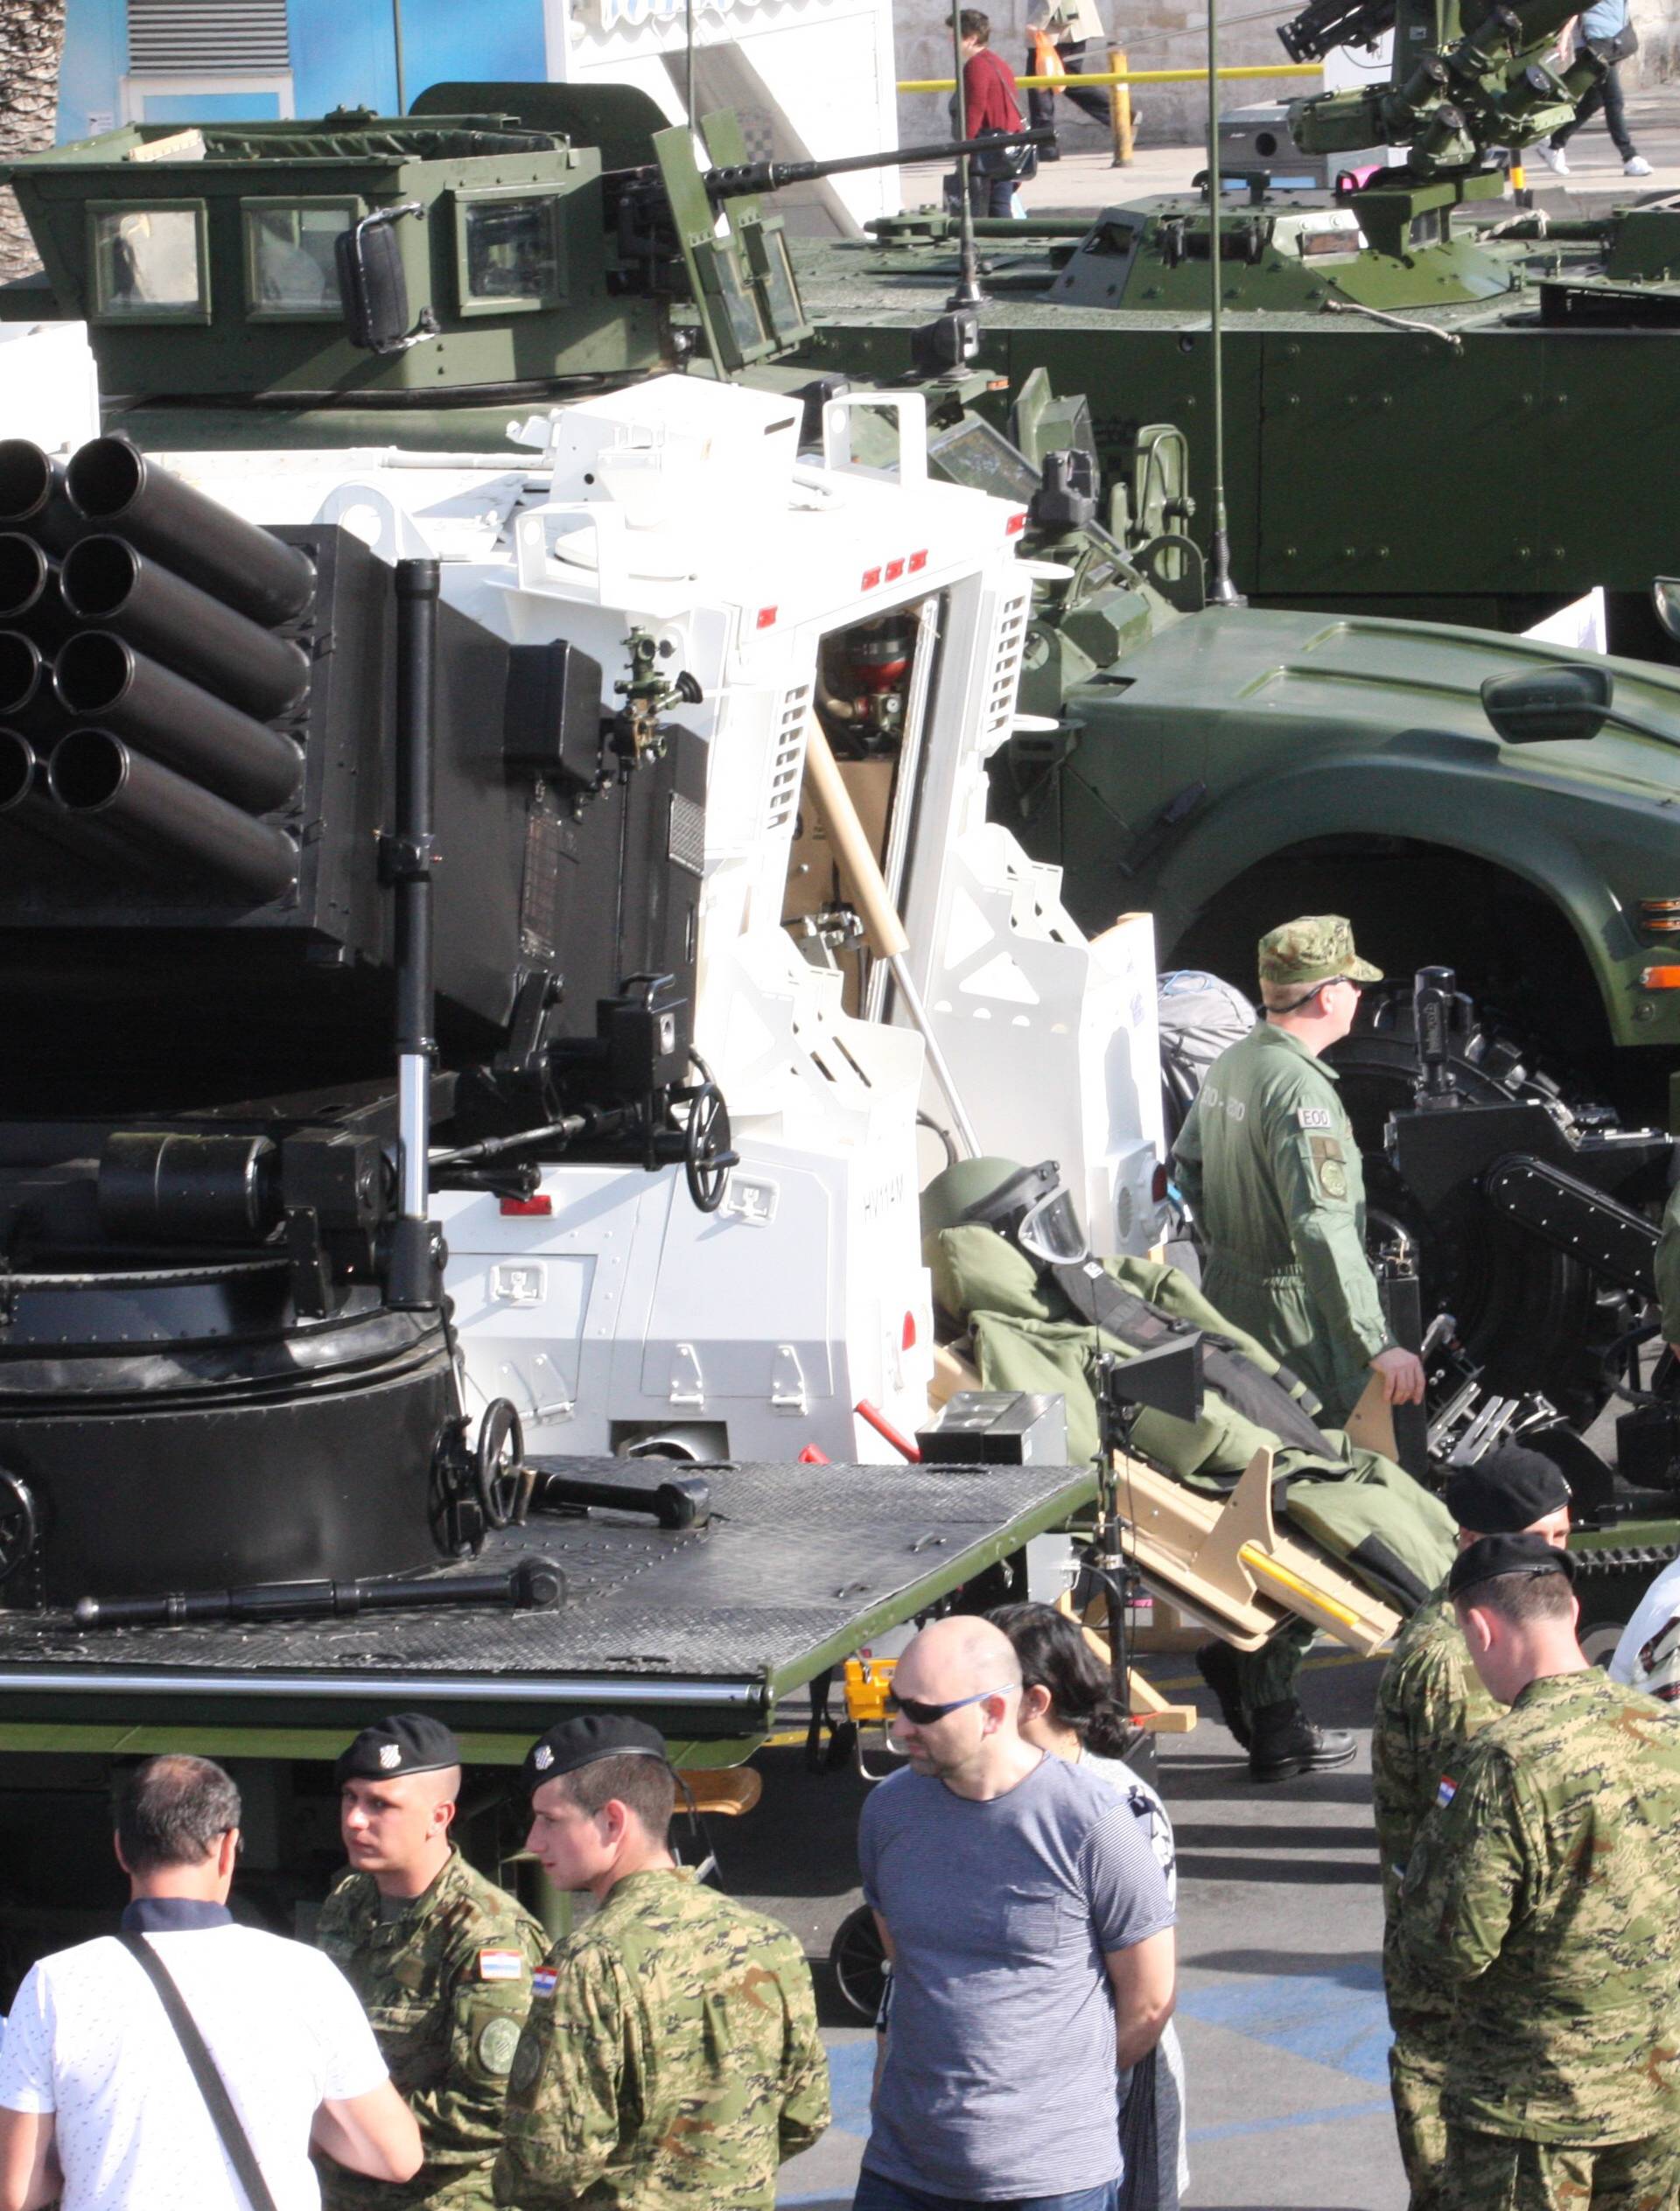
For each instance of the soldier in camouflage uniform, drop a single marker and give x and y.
(671, 2060)
(1429, 1703)
(441, 1958)
(1267, 1159)
(1541, 1893)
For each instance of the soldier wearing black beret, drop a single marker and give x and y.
(441, 1958)
(671, 2056)
(1429, 1704)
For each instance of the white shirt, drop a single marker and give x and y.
(1648, 1654)
(88, 2041)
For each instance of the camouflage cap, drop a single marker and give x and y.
(1314, 949)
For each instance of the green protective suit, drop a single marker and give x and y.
(1267, 1157)
(1363, 1510)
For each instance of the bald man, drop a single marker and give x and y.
(1031, 1936)
(441, 1958)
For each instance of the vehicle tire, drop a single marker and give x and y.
(859, 1964)
(1530, 1315)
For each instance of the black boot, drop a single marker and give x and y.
(1286, 1743)
(1216, 1664)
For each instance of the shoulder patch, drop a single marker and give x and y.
(542, 1980)
(501, 1965)
(1333, 1180)
(1314, 1118)
(1447, 1791)
(498, 2041)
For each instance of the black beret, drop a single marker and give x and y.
(1491, 1555)
(1511, 1489)
(406, 1743)
(582, 1742)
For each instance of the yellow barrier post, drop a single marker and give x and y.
(1120, 108)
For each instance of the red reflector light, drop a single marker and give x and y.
(894, 570)
(812, 1457)
(872, 577)
(1659, 979)
(907, 1342)
(1015, 525)
(536, 1208)
(767, 616)
(1157, 1185)
(918, 562)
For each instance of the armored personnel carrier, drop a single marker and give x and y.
(1417, 370)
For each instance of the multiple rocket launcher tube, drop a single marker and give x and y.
(140, 669)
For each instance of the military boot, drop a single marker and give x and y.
(1216, 1664)
(1286, 1743)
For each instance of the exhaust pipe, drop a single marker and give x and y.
(33, 495)
(114, 486)
(94, 775)
(100, 679)
(107, 582)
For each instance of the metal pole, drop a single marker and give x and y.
(1120, 111)
(968, 292)
(1220, 590)
(688, 63)
(397, 41)
(412, 1275)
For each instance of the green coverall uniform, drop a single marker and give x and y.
(1267, 1159)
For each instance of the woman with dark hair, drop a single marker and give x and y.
(1067, 1708)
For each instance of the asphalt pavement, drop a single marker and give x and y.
(1085, 181)
(1280, 2005)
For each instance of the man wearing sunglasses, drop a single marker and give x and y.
(1032, 1942)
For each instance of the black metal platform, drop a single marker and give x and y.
(702, 1630)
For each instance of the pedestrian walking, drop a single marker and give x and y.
(1540, 1895)
(1606, 30)
(989, 108)
(1030, 1937)
(1268, 1160)
(441, 1958)
(1068, 1709)
(207, 2088)
(671, 2060)
(1430, 1702)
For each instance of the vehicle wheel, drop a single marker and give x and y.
(1530, 1316)
(860, 1963)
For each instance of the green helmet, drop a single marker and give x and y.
(954, 1192)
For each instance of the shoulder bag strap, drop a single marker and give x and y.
(235, 2139)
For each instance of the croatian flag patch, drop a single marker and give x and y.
(501, 1965)
(1447, 1791)
(542, 1981)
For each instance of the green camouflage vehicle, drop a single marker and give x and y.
(1419, 375)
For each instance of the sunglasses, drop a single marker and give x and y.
(922, 1715)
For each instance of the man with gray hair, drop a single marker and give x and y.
(1031, 1936)
(101, 2106)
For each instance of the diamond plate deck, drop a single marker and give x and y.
(703, 1628)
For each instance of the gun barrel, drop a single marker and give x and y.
(93, 773)
(771, 176)
(100, 678)
(113, 486)
(106, 582)
(32, 494)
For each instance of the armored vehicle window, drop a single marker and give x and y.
(289, 269)
(148, 262)
(509, 251)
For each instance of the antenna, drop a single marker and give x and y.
(968, 292)
(1220, 590)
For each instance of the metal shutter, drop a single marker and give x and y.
(207, 38)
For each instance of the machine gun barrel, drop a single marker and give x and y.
(99, 678)
(96, 777)
(113, 486)
(770, 176)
